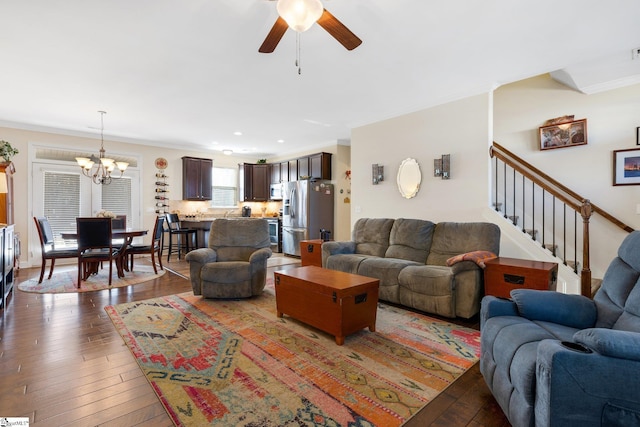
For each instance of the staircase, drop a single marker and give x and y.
(547, 212)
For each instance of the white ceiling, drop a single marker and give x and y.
(188, 72)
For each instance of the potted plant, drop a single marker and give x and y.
(7, 151)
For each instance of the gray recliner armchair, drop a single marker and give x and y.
(552, 359)
(235, 263)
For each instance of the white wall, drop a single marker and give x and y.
(459, 128)
(612, 117)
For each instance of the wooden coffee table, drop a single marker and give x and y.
(333, 301)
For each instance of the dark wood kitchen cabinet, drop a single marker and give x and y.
(284, 171)
(196, 178)
(255, 182)
(320, 166)
(303, 168)
(276, 176)
(293, 170)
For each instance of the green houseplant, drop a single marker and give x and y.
(7, 151)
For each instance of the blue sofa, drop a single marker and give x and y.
(552, 359)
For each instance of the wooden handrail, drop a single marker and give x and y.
(575, 201)
(567, 196)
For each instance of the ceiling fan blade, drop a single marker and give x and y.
(273, 38)
(338, 30)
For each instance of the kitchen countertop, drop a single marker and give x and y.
(201, 218)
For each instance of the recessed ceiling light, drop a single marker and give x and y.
(227, 152)
(237, 133)
(281, 141)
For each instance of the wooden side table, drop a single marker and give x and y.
(311, 252)
(502, 275)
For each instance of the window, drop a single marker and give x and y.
(225, 188)
(61, 202)
(61, 193)
(116, 197)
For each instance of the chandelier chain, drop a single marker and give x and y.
(103, 165)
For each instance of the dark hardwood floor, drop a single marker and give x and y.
(63, 363)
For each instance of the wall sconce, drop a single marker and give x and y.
(442, 166)
(377, 173)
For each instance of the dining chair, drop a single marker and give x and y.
(47, 245)
(94, 246)
(152, 249)
(119, 222)
(174, 229)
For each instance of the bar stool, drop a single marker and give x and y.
(174, 229)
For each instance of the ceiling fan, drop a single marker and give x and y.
(300, 15)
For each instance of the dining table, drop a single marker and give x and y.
(125, 234)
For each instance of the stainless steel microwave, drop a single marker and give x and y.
(275, 192)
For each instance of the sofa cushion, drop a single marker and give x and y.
(617, 283)
(575, 311)
(226, 272)
(629, 320)
(410, 239)
(386, 270)
(453, 238)
(349, 263)
(428, 288)
(371, 235)
(508, 362)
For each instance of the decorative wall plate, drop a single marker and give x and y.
(161, 163)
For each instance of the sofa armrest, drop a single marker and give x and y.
(201, 256)
(260, 256)
(574, 387)
(575, 311)
(492, 306)
(197, 259)
(611, 342)
(461, 266)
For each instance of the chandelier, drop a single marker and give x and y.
(101, 174)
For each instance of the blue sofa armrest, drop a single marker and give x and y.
(584, 388)
(575, 311)
(491, 306)
(611, 342)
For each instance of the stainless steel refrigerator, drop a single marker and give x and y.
(307, 207)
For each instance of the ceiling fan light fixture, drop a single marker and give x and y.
(300, 15)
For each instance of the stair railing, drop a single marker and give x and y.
(505, 199)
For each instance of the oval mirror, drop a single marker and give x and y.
(409, 178)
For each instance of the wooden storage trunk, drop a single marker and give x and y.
(311, 252)
(333, 301)
(502, 275)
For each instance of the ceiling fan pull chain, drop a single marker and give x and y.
(298, 61)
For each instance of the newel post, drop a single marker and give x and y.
(585, 276)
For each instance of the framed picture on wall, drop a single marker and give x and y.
(626, 167)
(560, 135)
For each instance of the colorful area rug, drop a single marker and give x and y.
(66, 280)
(235, 363)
